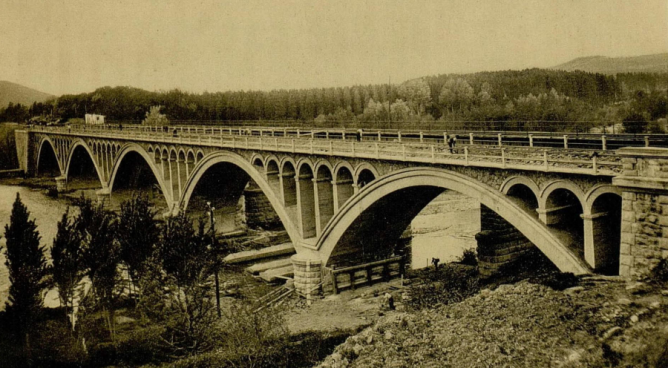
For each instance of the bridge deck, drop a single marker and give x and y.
(563, 160)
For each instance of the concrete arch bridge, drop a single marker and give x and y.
(586, 210)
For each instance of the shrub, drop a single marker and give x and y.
(449, 284)
(659, 273)
(469, 257)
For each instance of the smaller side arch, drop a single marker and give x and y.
(560, 184)
(508, 183)
(289, 160)
(305, 161)
(322, 163)
(48, 140)
(81, 143)
(367, 166)
(596, 192)
(255, 157)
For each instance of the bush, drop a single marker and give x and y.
(469, 257)
(303, 350)
(635, 123)
(659, 273)
(448, 284)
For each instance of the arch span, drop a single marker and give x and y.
(80, 144)
(150, 161)
(41, 153)
(231, 158)
(430, 182)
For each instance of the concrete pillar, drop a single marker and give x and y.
(530, 140)
(324, 202)
(595, 254)
(274, 181)
(103, 196)
(173, 178)
(500, 139)
(470, 138)
(61, 184)
(604, 143)
(306, 206)
(307, 275)
(565, 141)
(343, 190)
(553, 215)
(644, 229)
(289, 194)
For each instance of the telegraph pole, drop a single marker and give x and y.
(389, 107)
(214, 251)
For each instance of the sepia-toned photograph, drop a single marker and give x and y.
(332, 184)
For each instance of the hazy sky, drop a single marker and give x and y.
(69, 46)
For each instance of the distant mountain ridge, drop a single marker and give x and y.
(16, 93)
(657, 63)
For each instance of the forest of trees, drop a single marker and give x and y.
(528, 99)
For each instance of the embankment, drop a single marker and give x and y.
(8, 159)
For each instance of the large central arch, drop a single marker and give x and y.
(231, 158)
(431, 179)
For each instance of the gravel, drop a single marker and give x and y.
(523, 325)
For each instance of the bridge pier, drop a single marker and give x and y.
(306, 205)
(307, 275)
(324, 202)
(343, 189)
(644, 230)
(103, 196)
(500, 244)
(597, 241)
(61, 184)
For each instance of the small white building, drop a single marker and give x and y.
(94, 119)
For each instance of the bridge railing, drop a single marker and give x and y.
(531, 139)
(511, 157)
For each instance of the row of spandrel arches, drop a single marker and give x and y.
(589, 224)
(313, 194)
(163, 155)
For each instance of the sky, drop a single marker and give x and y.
(71, 46)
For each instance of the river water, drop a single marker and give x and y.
(444, 229)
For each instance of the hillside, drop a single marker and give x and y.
(16, 93)
(657, 63)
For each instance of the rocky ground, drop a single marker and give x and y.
(600, 323)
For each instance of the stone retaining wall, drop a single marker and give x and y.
(499, 243)
(258, 210)
(644, 232)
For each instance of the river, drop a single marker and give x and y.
(444, 229)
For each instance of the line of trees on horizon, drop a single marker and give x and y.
(562, 100)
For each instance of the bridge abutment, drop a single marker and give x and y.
(644, 230)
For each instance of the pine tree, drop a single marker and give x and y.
(27, 269)
(100, 254)
(138, 234)
(66, 254)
